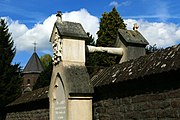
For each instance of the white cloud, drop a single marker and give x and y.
(25, 37)
(126, 3)
(89, 22)
(161, 34)
(114, 4)
(17, 29)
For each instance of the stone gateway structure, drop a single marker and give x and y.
(141, 87)
(71, 91)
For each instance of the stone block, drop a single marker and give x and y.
(126, 100)
(108, 103)
(175, 103)
(174, 94)
(159, 104)
(165, 113)
(149, 114)
(141, 106)
(139, 98)
(132, 115)
(154, 97)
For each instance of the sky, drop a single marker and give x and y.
(32, 21)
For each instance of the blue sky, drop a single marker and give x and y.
(32, 20)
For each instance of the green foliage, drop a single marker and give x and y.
(46, 60)
(90, 40)
(10, 80)
(109, 25)
(107, 35)
(90, 57)
(45, 77)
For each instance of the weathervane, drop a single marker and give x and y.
(34, 46)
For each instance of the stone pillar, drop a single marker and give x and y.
(70, 92)
(84, 111)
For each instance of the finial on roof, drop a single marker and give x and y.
(35, 46)
(135, 27)
(59, 16)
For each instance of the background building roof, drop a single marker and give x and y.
(41, 93)
(34, 65)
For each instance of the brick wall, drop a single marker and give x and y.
(40, 114)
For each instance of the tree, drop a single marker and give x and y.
(90, 40)
(109, 25)
(45, 77)
(10, 80)
(91, 63)
(107, 35)
(46, 60)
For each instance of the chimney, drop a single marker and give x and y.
(59, 16)
(135, 27)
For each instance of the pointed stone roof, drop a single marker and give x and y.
(34, 65)
(132, 37)
(71, 29)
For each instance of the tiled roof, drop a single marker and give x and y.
(71, 29)
(35, 95)
(34, 65)
(156, 63)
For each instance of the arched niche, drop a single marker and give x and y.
(59, 100)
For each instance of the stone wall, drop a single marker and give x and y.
(164, 105)
(147, 88)
(149, 98)
(29, 106)
(40, 114)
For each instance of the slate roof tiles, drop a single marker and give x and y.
(132, 37)
(34, 65)
(158, 62)
(41, 93)
(71, 29)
